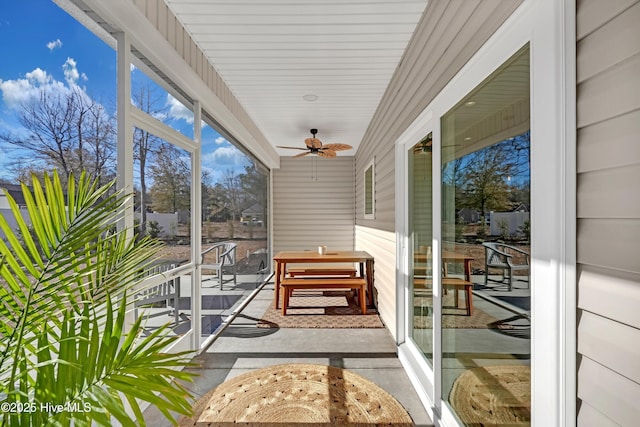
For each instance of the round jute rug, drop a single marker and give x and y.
(493, 395)
(298, 395)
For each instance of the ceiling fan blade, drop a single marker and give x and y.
(313, 142)
(302, 154)
(292, 148)
(329, 154)
(337, 147)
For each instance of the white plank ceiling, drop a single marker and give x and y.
(271, 53)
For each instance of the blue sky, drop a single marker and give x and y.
(42, 46)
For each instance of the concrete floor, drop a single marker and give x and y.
(242, 347)
(369, 352)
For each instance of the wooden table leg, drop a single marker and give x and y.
(467, 270)
(467, 290)
(369, 276)
(276, 291)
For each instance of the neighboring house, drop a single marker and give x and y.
(468, 216)
(581, 61)
(520, 208)
(15, 191)
(254, 214)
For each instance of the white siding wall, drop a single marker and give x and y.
(313, 203)
(448, 34)
(608, 107)
(382, 245)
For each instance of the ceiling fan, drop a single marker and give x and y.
(314, 146)
(426, 145)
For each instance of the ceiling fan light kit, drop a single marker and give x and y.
(315, 146)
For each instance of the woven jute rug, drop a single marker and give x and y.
(321, 309)
(493, 395)
(298, 395)
(453, 317)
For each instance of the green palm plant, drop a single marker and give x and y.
(63, 302)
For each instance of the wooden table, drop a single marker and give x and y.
(282, 259)
(456, 284)
(451, 257)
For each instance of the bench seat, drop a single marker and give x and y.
(322, 271)
(450, 283)
(289, 284)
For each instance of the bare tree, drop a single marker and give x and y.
(67, 131)
(232, 186)
(145, 144)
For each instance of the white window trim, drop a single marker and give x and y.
(549, 27)
(370, 165)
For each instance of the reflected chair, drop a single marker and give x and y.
(506, 258)
(220, 257)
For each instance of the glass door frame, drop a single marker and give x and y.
(409, 352)
(549, 28)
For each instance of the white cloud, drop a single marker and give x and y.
(225, 156)
(178, 111)
(16, 92)
(71, 73)
(218, 163)
(39, 76)
(220, 140)
(54, 44)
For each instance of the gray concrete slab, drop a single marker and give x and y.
(243, 347)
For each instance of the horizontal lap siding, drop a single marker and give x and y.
(608, 200)
(382, 246)
(449, 33)
(447, 36)
(313, 204)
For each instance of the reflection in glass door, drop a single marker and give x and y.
(485, 332)
(421, 258)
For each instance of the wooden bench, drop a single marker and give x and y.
(451, 283)
(289, 284)
(322, 271)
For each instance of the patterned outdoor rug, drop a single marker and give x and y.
(321, 309)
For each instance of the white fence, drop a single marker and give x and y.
(167, 222)
(511, 221)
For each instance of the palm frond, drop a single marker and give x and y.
(62, 341)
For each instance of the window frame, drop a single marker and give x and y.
(371, 192)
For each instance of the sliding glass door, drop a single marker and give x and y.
(420, 182)
(485, 226)
(468, 245)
